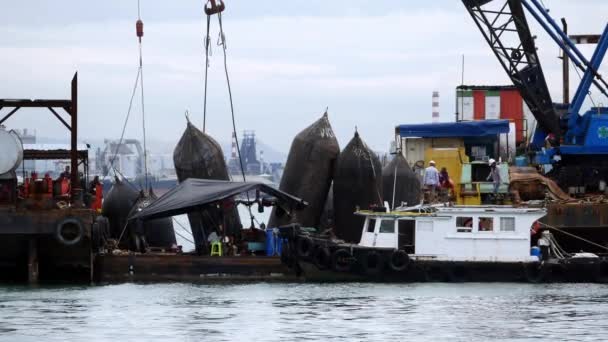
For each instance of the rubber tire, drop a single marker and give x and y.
(379, 265)
(399, 255)
(59, 237)
(304, 247)
(321, 257)
(337, 256)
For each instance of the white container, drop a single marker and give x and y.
(11, 151)
(466, 105)
(602, 185)
(492, 107)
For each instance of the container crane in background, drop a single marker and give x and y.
(579, 143)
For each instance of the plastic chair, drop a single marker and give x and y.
(216, 248)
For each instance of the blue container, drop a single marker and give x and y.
(270, 242)
(521, 161)
(535, 251)
(274, 243)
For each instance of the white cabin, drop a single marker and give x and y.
(455, 233)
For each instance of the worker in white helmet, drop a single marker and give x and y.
(494, 175)
(431, 179)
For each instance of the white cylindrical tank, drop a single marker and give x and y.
(11, 151)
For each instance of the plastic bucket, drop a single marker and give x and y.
(535, 251)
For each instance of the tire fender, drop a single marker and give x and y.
(72, 223)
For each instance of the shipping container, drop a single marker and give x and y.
(495, 102)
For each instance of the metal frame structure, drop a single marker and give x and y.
(520, 60)
(507, 32)
(70, 106)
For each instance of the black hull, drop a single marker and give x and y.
(319, 259)
(459, 272)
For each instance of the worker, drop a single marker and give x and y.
(66, 174)
(213, 237)
(431, 179)
(445, 181)
(494, 175)
(93, 185)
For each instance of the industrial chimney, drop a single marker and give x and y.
(435, 106)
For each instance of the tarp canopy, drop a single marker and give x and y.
(193, 193)
(454, 129)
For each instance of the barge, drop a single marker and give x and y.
(442, 243)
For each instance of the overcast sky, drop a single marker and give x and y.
(373, 63)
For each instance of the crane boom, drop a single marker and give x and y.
(504, 26)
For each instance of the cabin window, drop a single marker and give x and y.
(464, 224)
(486, 224)
(507, 224)
(371, 224)
(387, 226)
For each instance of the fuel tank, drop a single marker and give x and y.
(308, 173)
(398, 175)
(11, 151)
(357, 183)
(198, 155)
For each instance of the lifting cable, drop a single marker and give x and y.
(572, 235)
(139, 26)
(124, 127)
(138, 82)
(207, 53)
(217, 7)
(588, 91)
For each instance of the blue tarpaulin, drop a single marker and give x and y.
(455, 129)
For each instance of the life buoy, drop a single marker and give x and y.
(373, 262)
(69, 231)
(341, 260)
(399, 260)
(304, 247)
(321, 258)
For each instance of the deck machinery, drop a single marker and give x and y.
(575, 144)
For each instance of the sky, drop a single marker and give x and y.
(374, 64)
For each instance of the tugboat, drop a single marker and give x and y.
(442, 243)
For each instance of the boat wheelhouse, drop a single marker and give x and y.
(454, 233)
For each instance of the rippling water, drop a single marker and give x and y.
(295, 312)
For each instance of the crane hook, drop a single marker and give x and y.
(214, 6)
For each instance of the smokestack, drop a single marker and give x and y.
(261, 161)
(233, 154)
(435, 106)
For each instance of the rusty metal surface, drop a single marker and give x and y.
(71, 107)
(579, 215)
(24, 222)
(186, 267)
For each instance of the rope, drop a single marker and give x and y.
(222, 43)
(124, 126)
(207, 51)
(574, 236)
(589, 91)
(143, 108)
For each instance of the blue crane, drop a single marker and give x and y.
(579, 142)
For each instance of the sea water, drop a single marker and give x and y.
(310, 312)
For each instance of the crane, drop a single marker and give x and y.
(579, 142)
